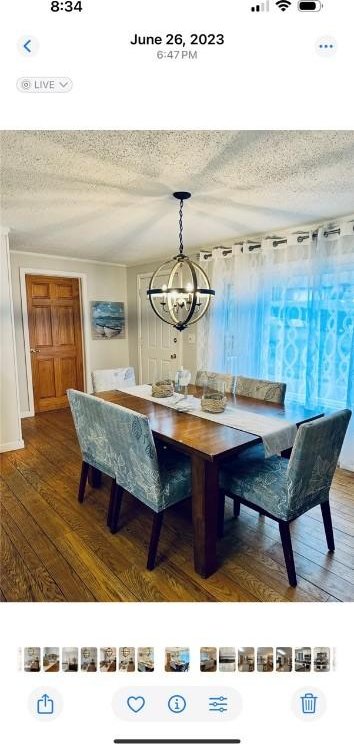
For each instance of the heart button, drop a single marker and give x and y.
(136, 704)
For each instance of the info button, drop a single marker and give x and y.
(44, 85)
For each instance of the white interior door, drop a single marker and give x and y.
(160, 345)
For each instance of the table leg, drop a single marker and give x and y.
(94, 477)
(205, 499)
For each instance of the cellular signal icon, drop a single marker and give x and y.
(283, 5)
(261, 8)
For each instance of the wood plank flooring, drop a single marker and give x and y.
(53, 549)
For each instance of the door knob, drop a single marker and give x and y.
(34, 351)
(173, 356)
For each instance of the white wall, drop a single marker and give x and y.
(104, 282)
(10, 423)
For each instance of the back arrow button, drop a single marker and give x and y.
(28, 46)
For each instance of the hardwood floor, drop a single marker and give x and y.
(54, 549)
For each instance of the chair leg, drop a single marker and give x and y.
(95, 477)
(115, 503)
(237, 507)
(221, 514)
(83, 481)
(112, 496)
(154, 540)
(327, 521)
(284, 530)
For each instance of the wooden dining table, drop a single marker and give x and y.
(208, 444)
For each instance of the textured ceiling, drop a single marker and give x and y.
(107, 195)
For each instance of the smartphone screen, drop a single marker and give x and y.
(177, 371)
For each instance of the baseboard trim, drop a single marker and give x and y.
(26, 414)
(10, 446)
(349, 466)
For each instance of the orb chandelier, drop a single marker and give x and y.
(179, 290)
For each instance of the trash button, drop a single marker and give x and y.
(308, 704)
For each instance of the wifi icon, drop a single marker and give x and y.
(283, 5)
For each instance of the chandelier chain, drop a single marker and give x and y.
(181, 227)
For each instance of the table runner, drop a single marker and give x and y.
(276, 435)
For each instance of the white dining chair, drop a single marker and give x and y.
(203, 377)
(110, 379)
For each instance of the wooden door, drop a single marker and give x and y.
(160, 345)
(54, 319)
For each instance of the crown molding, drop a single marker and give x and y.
(69, 258)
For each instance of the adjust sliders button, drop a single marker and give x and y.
(44, 85)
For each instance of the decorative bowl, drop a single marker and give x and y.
(162, 389)
(213, 403)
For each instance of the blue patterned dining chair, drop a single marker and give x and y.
(89, 424)
(285, 489)
(251, 387)
(121, 440)
(208, 378)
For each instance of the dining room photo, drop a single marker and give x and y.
(177, 373)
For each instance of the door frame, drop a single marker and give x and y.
(146, 275)
(85, 327)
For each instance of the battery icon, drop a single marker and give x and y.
(310, 7)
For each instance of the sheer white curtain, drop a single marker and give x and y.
(287, 314)
(235, 314)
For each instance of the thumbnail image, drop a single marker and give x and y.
(89, 659)
(32, 659)
(146, 659)
(321, 659)
(51, 659)
(227, 659)
(108, 659)
(177, 659)
(246, 659)
(208, 659)
(70, 659)
(127, 659)
(284, 659)
(302, 659)
(265, 660)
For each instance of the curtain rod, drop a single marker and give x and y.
(276, 242)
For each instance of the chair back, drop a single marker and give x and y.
(251, 387)
(110, 379)
(314, 458)
(122, 439)
(206, 378)
(87, 413)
